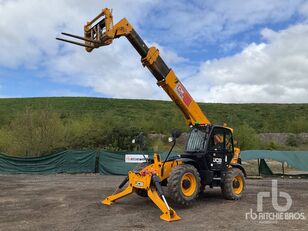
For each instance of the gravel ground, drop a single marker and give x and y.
(72, 202)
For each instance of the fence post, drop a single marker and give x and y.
(282, 167)
(259, 167)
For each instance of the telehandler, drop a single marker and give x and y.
(210, 157)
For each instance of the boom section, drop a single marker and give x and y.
(101, 32)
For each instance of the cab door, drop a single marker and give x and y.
(220, 148)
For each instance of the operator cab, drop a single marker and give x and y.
(211, 149)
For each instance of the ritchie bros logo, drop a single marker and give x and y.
(281, 210)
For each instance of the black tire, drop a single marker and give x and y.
(202, 189)
(139, 191)
(233, 184)
(176, 184)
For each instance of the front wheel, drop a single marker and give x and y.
(184, 184)
(233, 184)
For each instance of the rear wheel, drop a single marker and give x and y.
(233, 184)
(184, 184)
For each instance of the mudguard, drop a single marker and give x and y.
(239, 166)
(189, 161)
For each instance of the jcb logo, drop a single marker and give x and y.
(275, 204)
(139, 184)
(217, 160)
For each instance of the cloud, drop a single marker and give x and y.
(113, 71)
(216, 20)
(257, 74)
(303, 10)
(273, 71)
(28, 28)
(33, 42)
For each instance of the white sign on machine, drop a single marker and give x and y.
(135, 158)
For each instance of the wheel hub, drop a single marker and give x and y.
(186, 184)
(236, 184)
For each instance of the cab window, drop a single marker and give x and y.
(196, 141)
(229, 141)
(217, 140)
(221, 140)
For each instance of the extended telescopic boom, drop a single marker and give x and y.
(101, 32)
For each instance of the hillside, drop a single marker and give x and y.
(261, 117)
(79, 122)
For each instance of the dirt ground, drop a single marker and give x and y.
(72, 202)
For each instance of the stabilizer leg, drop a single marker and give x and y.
(109, 200)
(168, 215)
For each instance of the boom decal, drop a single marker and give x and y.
(183, 94)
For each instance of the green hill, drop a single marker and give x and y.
(261, 117)
(99, 122)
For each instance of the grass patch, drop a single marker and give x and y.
(35, 126)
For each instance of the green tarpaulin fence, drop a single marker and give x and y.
(113, 163)
(295, 159)
(70, 161)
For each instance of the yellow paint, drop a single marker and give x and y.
(142, 180)
(189, 191)
(239, 180)
(236, 155)
(192, 112)
(151, 57)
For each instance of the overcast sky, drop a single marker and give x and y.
(232, 51)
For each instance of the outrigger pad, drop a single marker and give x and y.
(106, 201)
(137, 181)
(169, 217)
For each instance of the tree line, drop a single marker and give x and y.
(40, 132)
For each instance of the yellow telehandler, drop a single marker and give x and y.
(210, 157)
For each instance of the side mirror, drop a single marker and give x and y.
(176, 133)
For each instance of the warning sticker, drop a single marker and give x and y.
(183, 94)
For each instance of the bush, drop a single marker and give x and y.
(271, 146)
(246, 137)
(33, 133)
(293, 140)
(298, 125)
